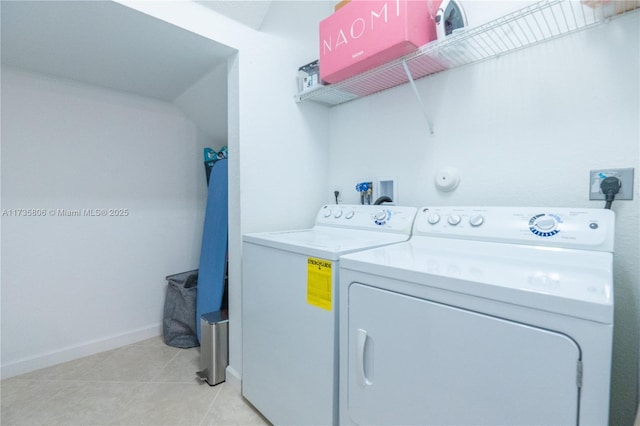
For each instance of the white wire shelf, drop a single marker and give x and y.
(539, 22)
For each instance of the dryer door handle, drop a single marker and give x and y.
(363, 355)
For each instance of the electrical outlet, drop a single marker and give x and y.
(626, 179)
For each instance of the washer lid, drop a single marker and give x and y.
(571, 282)
(325, 242)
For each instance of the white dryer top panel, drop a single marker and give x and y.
(555, 259)
(572, 282)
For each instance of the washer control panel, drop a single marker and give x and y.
(588, 229)
(382, 217)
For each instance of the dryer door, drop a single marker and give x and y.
(412, 361)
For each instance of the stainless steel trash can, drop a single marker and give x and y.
(214, 347)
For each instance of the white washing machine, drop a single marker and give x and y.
(486, 316)
(290, 309)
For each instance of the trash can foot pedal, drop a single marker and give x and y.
(202, 375)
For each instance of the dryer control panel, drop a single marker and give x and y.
(355, 216)
(586, 229)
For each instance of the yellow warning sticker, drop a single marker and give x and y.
(319, 283)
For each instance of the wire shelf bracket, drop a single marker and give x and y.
(417, 93)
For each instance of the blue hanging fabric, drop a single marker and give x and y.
(213, 253)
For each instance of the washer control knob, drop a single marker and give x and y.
(327, 212)
(337, 214)
(476, 220)
(454, 219)
(380, 216)
(433, 218)
(349, 214)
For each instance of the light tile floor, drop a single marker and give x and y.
(147, 383)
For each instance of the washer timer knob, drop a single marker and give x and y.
(337, 214)
(433, 218)
(382, 217)
(349, 214)
(327, 212)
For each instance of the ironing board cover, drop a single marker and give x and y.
(213, 254)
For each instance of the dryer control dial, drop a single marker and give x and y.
(349, 214)
(454, 219)
(433, 218)
(326, 212)
(337, 214)
(544, 224)
(476, 220)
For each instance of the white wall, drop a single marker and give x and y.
(72, 286)
(205, 103)
(523, 129)
(278, 149)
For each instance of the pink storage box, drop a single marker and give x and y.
(366, 33)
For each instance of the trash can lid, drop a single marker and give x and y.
(215, 317)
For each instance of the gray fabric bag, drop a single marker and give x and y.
(179, 322)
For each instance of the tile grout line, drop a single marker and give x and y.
(213, 401)
(178, 352)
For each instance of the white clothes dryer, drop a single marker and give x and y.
(486, 316)
(290, 308)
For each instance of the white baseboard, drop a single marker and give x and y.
(233, 379)
(80, 350)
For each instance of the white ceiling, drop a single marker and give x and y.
(248, 12)
(107, 44)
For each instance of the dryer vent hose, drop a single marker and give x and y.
(383, 199)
